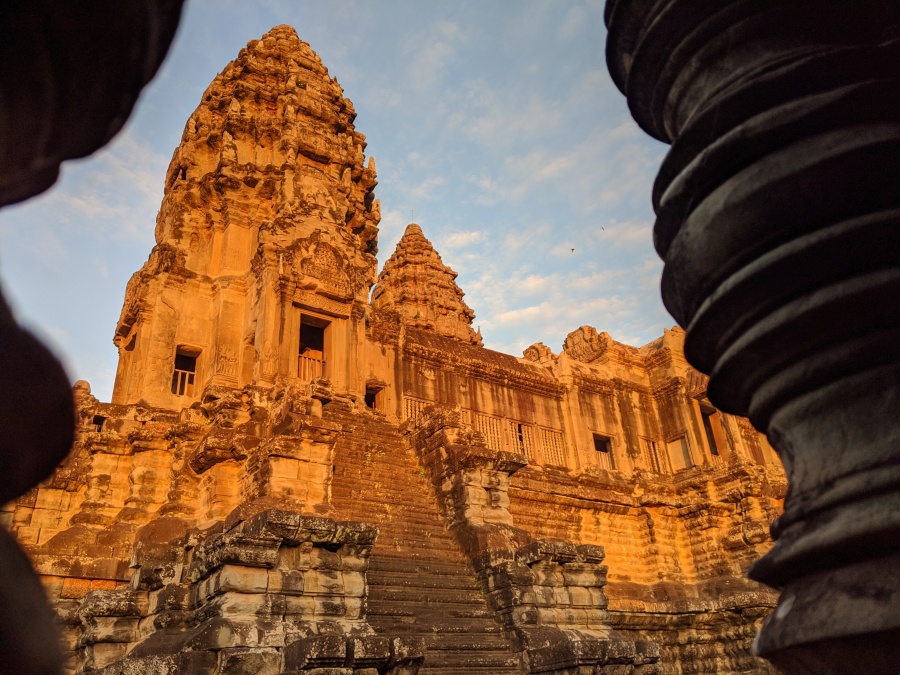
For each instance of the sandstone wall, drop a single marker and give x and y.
(587, 511)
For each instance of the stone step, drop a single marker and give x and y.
(374, 489)
(448, 626)
(400, 580)
(402, 472)
(404, 566)
(420, 583)
(385, 551)
(451, 610)
(398, 508)
(453, 670)
(482, 660)
(481, 642)
(427, 594)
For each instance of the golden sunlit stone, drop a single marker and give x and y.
(269, 422)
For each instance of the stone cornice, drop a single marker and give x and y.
(479, 363)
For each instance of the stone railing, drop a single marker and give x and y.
(183, 382)
(309, 368)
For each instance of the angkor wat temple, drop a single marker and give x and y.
(311, 467)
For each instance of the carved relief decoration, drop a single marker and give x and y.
(586, 344)
(695, 383)
(540, 353)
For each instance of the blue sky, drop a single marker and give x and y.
(495, 122)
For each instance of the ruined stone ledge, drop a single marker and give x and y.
(659, 618)
(389, 655)
(255, 542)
(572, 649)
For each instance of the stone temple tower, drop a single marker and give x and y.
(265, 240)
(416, 283)
(293, 479)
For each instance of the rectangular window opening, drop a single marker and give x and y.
(655, 461)
(710, 436)
(522, 439)
(603, 446)
(680, 453)
(374, 397)
(183, 373)
(97, 422)
(715, 432)
(311, 360)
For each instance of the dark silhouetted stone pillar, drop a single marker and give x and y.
(778, 217)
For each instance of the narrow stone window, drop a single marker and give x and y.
(680, 453)
(715, 435)
(710, 436)
(655, 461)
(97, 422)
(522, 440)
(311, 360)
(603, 446)
(374, 398)
(184, 373)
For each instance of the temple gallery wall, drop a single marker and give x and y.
(312, 466)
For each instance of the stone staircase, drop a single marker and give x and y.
(420, 584)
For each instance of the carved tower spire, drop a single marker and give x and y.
(268, 216)
(417, 283)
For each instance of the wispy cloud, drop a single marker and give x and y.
(431, 51)
(425, 189)
(455, 240)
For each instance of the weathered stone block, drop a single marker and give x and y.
(509, 573)
(407, 654)
(324, 581)
(218, 633)
(580, 597)
(286, 582)
(513, 596)
(110, 629)
(238, 604)
(249, 662)
(370, 651)
(354, 584)
(323, 560)
(316, 652)
(104, 653)
(240, 579)
(547, 551)
(298, 606)
(584, 574)
(355, 533)
(295, 558)
(547, 575)
(235, 548)
(331, 606)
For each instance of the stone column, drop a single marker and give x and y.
(777, 217)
